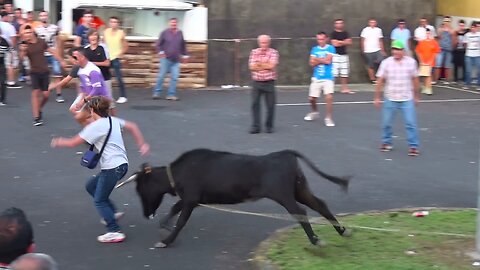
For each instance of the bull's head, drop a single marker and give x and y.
(152, 185)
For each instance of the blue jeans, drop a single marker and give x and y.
(117, 69)
(409, 116)
(56, 69)
(100, 187)
(470, 64)
(166, 66)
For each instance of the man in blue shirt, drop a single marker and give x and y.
(322, 79)
(402, 33)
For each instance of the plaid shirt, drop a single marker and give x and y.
(398, 77)
(263, 56)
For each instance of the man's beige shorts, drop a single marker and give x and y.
(317, 87)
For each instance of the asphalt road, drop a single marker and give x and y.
(49, 183)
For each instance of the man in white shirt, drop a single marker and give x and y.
(11, 59)
(472, 54)
(420, 33)
(372, 46)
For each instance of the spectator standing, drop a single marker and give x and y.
(420, 32)
(399, 74)
(81, 38)
(459, 52)
(172, 49)
(16, 236)
(50, 34)
(371, 44)
(322, 80)
(117, 47)
(402, 33)
(11, 60)
(446, 39)
(4, 49)
(263, 62)
(472, 54)
(427, 50)
(341, 63)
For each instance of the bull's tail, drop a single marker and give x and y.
(341, 181)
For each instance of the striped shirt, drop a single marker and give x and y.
(92, 82)
(398, 76)
(472, 41)
(260, 55)
(4, 48)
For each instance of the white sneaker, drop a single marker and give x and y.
(434, 82)
(311, 116)
(117, 215)
(122, 100)
(329, 122)
(111, 237)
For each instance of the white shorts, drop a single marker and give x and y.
(341, 65)
(108, 85)
(319, 86)
(11, 59)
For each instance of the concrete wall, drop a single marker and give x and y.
(293, 24)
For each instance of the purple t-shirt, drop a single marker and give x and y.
(92, 82)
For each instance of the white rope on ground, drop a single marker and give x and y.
(371, 102)
(317, 222)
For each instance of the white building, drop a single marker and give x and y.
(140, 19)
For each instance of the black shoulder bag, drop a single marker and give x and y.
(90, 158)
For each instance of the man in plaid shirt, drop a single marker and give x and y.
(262, 63)
(400, 75)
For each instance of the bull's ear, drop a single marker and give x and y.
(146, 168)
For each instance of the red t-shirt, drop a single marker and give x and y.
(96, 22)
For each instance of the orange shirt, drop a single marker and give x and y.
(427, 50)
(96, 22)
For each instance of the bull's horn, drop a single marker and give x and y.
(130, 179)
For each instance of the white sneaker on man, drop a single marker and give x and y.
(122, 100)
(111, 237)
(117, 215)
(329, 122)
(311, 116)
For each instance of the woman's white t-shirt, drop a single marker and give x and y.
(114, 154)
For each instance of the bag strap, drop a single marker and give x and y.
(108, 136)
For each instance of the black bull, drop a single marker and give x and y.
(204, 176)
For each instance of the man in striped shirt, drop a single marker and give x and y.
(399, 74)
(262, 63)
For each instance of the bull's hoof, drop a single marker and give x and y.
(347, 233)
(320, 243)
(160, 245)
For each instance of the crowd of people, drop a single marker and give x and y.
(422, 56)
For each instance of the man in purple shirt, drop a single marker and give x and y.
(172, 50)
(91, 84)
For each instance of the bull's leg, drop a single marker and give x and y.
(300, 214)
(305, 197)
(182, 220)
(165, 221)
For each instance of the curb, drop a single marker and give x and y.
(260, 260)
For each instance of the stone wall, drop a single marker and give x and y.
(292, 24)
(141, 64)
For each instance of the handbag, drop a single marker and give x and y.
(90, 158)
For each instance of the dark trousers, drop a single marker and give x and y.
(266, 89)
(3, 85)
(458, 62)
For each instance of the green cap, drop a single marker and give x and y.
(397, 44)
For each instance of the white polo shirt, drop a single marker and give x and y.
(421, 32)
(372, 38)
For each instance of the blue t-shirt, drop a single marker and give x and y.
(402, 35)
(322, 71)
(82, 31)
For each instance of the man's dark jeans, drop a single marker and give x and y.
(266, 89)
